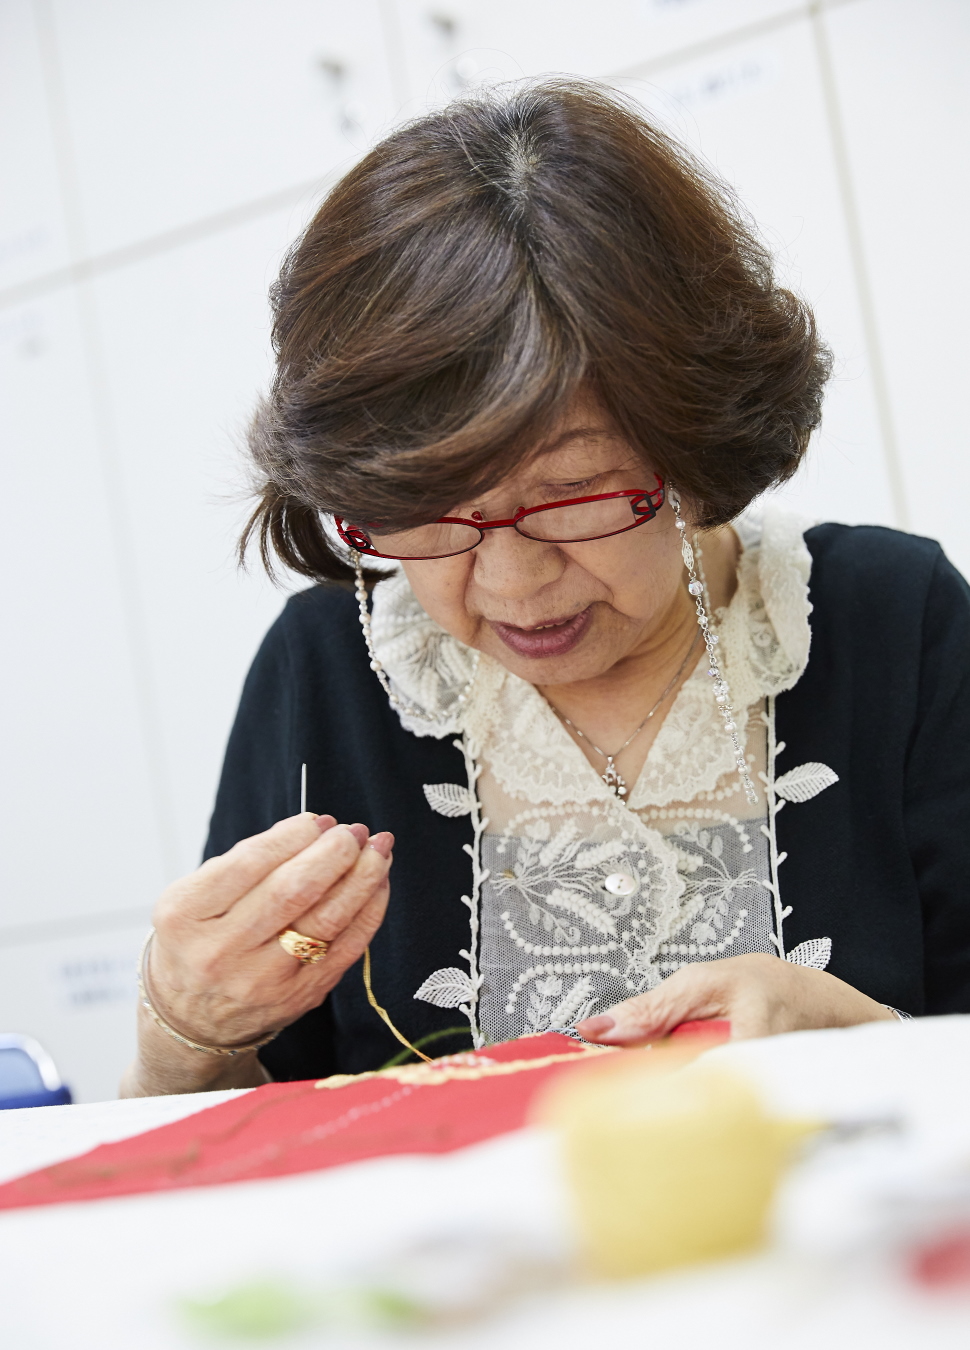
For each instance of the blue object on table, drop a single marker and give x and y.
(28, 1076)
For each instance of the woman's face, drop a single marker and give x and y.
(557, 613)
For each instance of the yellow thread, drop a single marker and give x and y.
(381, 1013)
(420, 1075)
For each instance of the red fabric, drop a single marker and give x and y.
(943, 1263)
(713, 1028)
(297, 1127)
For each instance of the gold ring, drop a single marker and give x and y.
(308, 950)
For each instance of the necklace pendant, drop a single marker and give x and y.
(612, 778)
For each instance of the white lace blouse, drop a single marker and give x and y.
(580, 899)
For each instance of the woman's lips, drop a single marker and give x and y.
(553, 639)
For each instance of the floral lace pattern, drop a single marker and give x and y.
(425, 666)
(557, 946)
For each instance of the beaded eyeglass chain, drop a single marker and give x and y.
(721, 687)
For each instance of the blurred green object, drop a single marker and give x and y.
(258, 1311)
(264, 1310)
(370, 1307)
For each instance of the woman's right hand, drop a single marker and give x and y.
(216, 972)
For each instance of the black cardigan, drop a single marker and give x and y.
(879, 862)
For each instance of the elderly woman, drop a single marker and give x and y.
(643, 752)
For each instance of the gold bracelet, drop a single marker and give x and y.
(159, 1020)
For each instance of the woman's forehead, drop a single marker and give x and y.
(576, 452)
(584, 452)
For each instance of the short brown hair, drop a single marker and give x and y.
(482, 265)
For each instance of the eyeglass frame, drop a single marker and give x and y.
(355, 537)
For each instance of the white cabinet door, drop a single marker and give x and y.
(756, 113)
(901, 69)
(186, 341)
(32, 231)
(78, 800)
(459, 42)
(186, 109)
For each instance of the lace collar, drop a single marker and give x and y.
(765, 638)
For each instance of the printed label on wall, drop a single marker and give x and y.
(94, 981)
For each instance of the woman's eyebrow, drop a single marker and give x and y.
(578, 434)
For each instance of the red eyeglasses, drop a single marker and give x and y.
(575, 521)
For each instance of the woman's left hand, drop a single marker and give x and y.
(758, 994)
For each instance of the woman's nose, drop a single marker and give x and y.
(513, 567)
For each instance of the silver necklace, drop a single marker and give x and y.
(611, 775)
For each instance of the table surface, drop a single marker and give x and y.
(37, 1137)
(107, 1275)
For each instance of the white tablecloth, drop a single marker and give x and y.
(107, 1275)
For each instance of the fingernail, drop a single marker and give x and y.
(360, 832)
(383, 842)
(596, 1026)
(324, 823)
(342, 828)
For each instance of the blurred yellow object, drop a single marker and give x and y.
(668, 1161)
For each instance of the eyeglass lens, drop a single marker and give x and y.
(573, 523)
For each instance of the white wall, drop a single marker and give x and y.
(155, 160)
